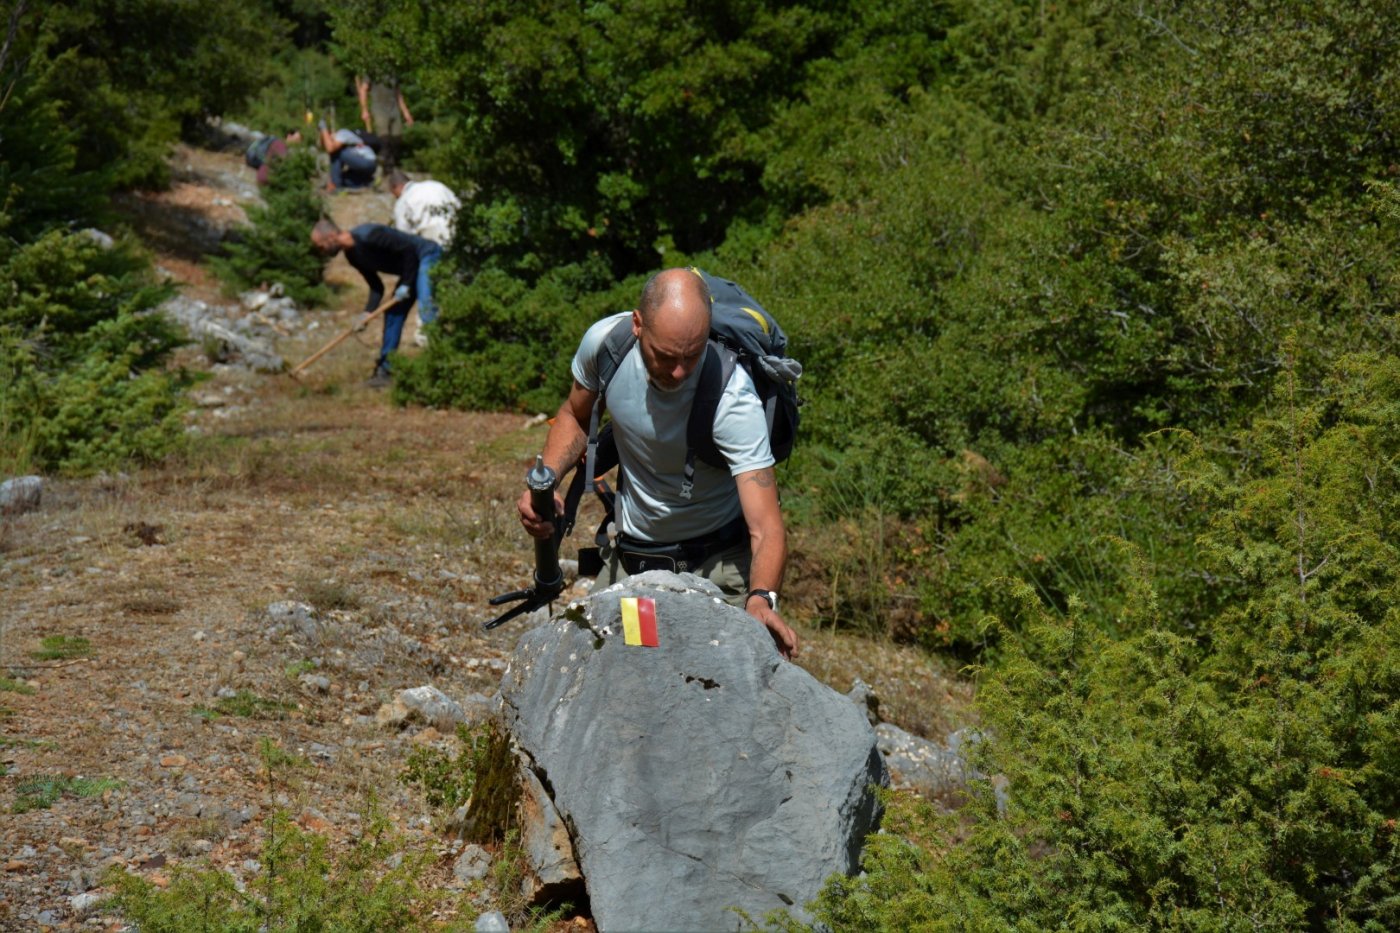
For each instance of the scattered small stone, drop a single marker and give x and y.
(173, 761)
(427, 704)
(21, 494)
(82, 904)
(493, 922)
(316, 682)
(472, 864)
(294, 618)
(863, 696)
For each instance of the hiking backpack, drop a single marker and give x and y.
(256, 153)
(742, 333)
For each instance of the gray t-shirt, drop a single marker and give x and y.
(649, 424)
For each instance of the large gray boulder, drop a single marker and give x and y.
(703, 775)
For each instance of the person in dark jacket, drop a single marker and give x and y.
(376, 248)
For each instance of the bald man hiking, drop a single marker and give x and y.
(725, 524)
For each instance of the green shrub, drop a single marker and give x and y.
(1236, 777)
(247, 704)
(82, 379)
(372, 885)
(481, 774)
(499, 343)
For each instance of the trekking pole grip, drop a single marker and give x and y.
(548, 575)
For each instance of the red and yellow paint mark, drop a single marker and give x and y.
(639, 621)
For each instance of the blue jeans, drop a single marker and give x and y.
(353, 167)
(394, 318)
(427, 308)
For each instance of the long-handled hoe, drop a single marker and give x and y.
(295, 372)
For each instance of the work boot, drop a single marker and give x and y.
(380, 379)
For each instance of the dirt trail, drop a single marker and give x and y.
(397, 523)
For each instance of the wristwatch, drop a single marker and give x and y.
(768, 596)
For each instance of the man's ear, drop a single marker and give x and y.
(637, 324)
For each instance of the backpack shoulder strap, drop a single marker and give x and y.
(616, 345)
(715, 371)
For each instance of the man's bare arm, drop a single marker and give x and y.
(568, 436)
(758, 497)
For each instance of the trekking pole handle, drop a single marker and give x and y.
(541, 480)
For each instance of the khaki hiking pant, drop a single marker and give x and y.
(727, 569)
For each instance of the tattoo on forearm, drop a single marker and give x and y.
(574, 451)
(763, 479)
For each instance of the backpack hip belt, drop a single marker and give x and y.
(638, 555)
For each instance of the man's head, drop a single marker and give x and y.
(292, 138)
(396, 181)
(672, 325)
(327, 238)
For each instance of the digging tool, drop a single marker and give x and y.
(340, 338)
(549, 577)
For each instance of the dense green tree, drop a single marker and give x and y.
(621, 130)
(127, 76)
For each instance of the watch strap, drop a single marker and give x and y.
(768, 596)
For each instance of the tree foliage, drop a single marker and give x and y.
(1237, 779)
(129, 75)
(276, 248)
(83, 384)
(618, 131)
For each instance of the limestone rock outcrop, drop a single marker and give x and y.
(696, 777)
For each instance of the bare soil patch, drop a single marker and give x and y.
(397, 523)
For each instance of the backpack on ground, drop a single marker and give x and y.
(742, 333)
(256, 153)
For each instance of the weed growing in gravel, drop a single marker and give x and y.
(9, 741)
(42, 792)
(482, 773)
(327, 594)
(247, 704)
(10, 685)
(509, 893)
(297, 668)
(151, 604)
(62, 648)
(373, 885)
(445, 780)
(277, 762)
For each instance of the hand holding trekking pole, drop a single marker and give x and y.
(549, 578)
(360, 325)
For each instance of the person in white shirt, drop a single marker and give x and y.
(427, 209)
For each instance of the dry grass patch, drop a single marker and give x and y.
(917, 692)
